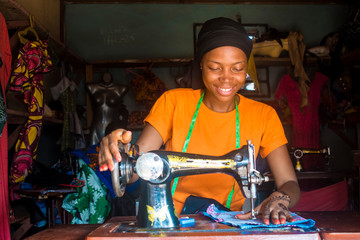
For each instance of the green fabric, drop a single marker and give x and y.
(89, 205)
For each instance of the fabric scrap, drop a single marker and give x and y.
(228, 218)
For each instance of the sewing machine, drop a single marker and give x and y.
(157, 169)
(298, 154)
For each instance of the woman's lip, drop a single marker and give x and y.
(225, 91)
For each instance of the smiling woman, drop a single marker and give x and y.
(214, 119)
(223, 73)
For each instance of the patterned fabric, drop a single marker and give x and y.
(32, 61)
(147, 88)
(228, 218)
(89, 204)
(90, 156)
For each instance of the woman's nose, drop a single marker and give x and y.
(226, 75)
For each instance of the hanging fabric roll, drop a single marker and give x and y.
(33, 60)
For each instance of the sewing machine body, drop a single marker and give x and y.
(298, 154)
(157, 169)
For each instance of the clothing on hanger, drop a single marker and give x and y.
(306, 126)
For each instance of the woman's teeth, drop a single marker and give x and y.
(225, 89)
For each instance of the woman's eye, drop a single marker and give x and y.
(214, 68)
(237, 69)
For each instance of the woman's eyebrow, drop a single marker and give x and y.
(240, 62)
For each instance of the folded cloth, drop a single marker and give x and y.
(228, 218)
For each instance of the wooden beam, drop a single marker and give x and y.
(62, 21)
(346, 2)
(14, 40)
(17, 24)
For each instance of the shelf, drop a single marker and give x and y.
(156, 62)
(351, 58)
(17, 17)
(18, 117)
(169, 62)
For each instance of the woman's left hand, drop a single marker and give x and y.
(274, 209)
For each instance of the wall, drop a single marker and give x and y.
(47, 12)
(123, 31)
(129, 31)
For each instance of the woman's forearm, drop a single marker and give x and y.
(292, 189)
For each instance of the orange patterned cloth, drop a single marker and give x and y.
(147, 88)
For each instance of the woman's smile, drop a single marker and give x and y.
(225, 91)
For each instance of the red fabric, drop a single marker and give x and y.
(306, 129)
(5, 71)
(330, 198)
(32, 61)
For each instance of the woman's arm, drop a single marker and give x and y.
(275, 208)
(284, 175)
(148, 140)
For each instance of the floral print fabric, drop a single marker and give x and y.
(89, 205)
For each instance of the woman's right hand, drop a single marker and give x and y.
(109, 148)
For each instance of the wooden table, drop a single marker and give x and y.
(54, 198)
(329, 225)
(336, 225)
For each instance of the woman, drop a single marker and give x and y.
(223, 121)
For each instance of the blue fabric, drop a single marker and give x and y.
(228, 218)
(90, 157)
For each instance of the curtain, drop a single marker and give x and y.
(5, 70)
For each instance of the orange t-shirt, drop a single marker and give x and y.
(213, 134)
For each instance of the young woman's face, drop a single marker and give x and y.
(224, 72)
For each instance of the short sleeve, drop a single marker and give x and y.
(274, 135)
(161, 115)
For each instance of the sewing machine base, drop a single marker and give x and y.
(126, 228)
(156, 207)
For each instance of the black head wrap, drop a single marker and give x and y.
(216, 32)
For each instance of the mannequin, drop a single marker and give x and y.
(109, 112)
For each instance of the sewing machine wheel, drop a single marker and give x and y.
(122, 174)
(151, 167)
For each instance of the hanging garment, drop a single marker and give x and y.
(72, 133)
(33, 60)
(296, 51)
(306, 129)
(5, 71)
(147, 88)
